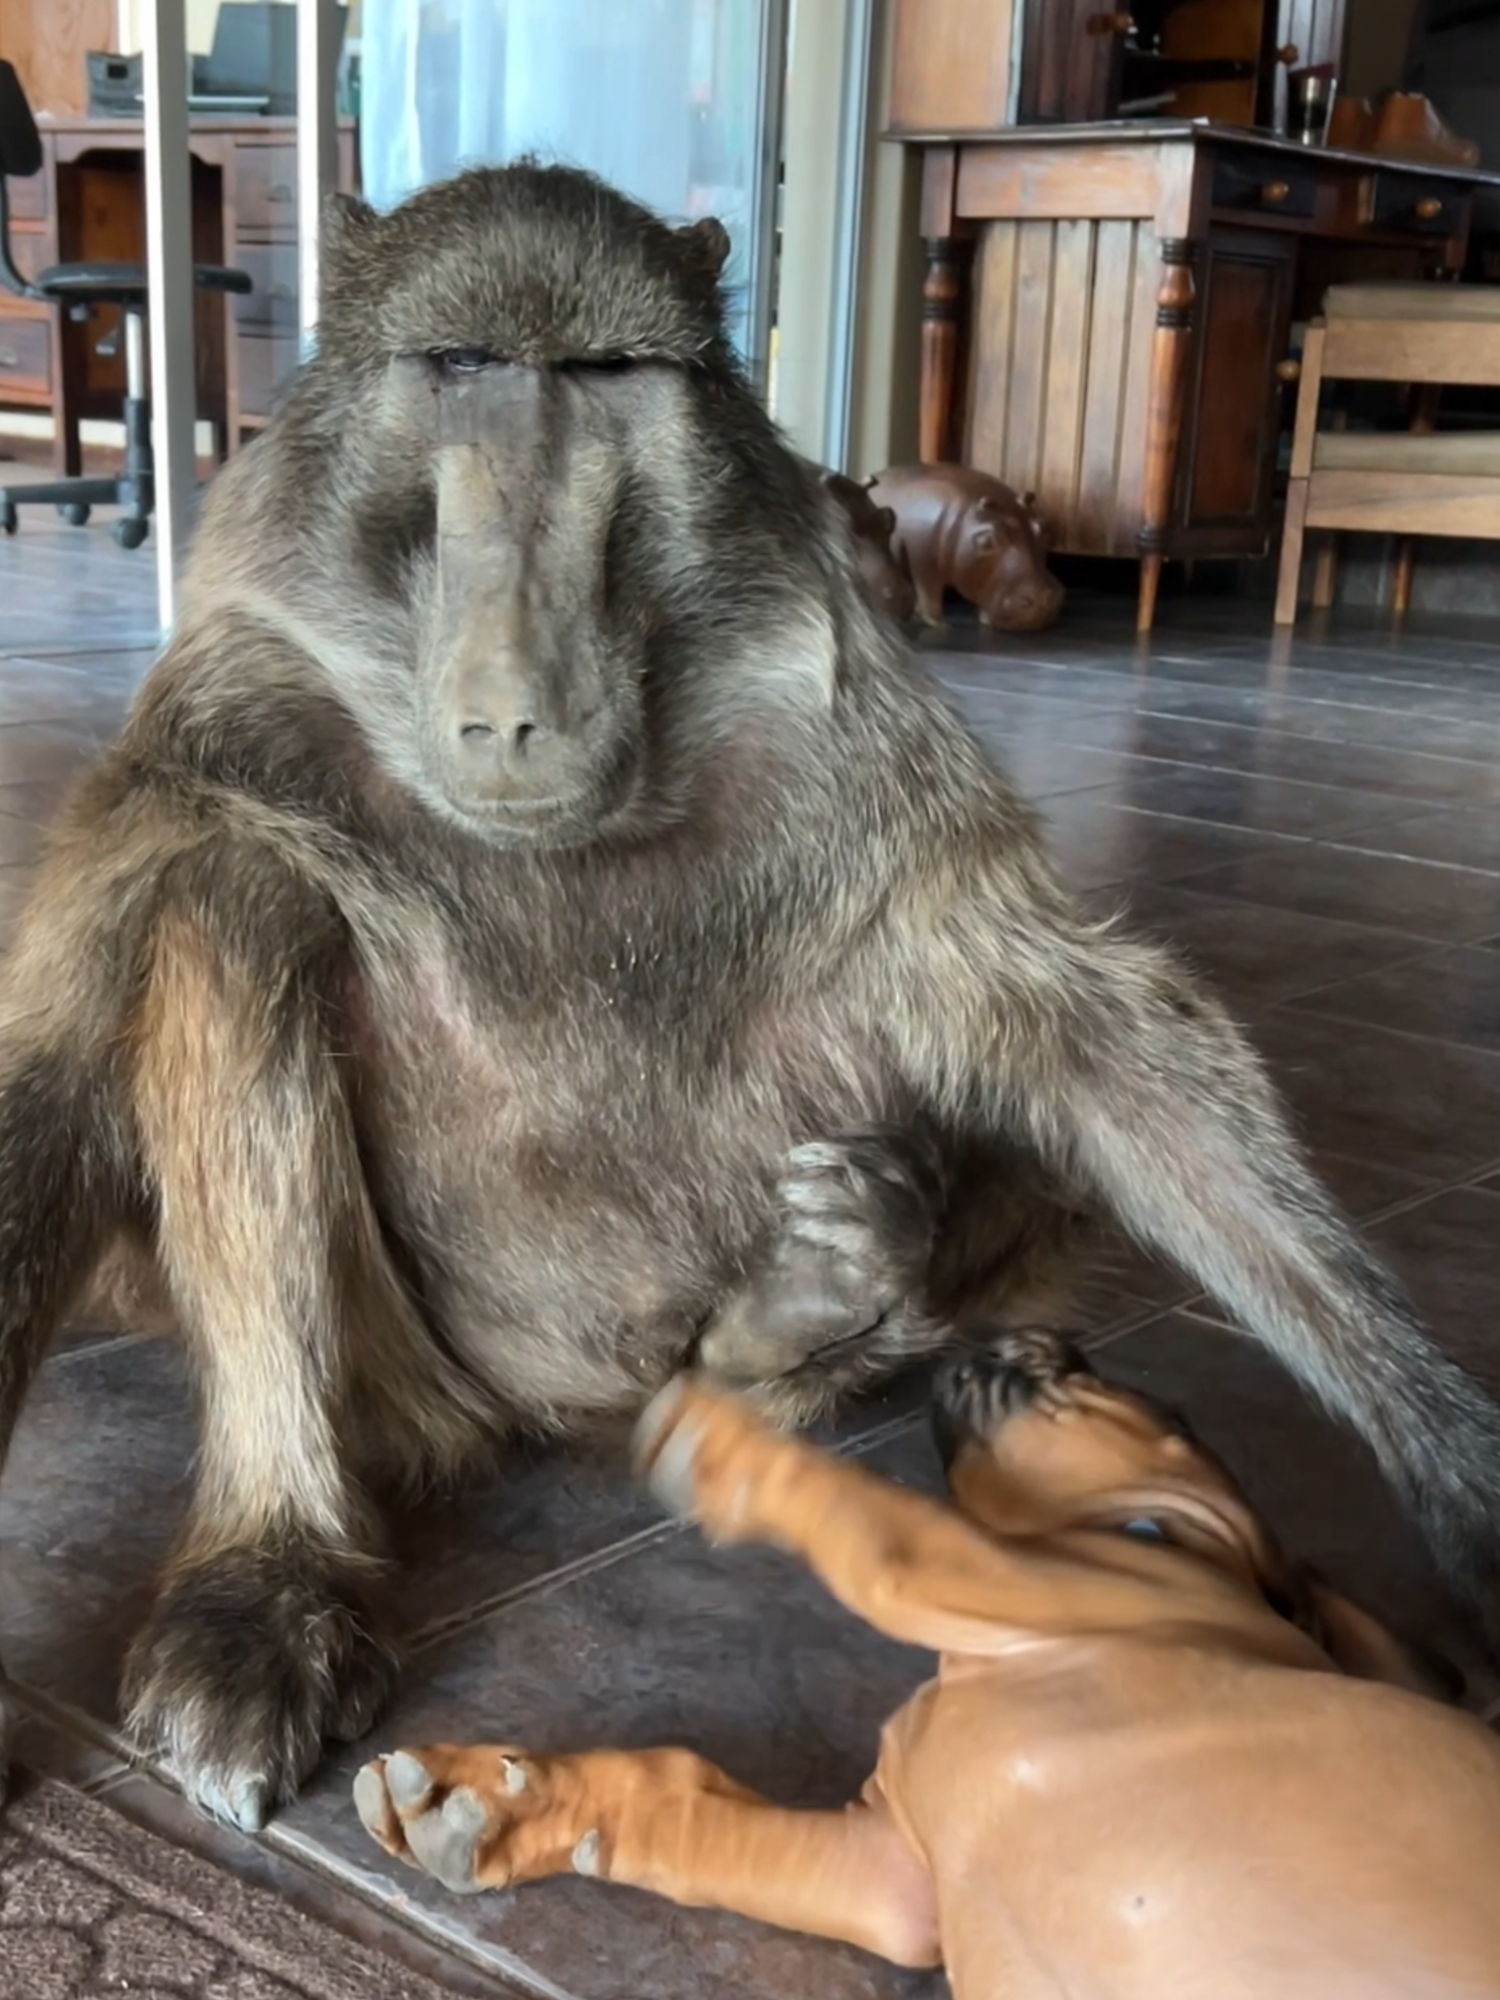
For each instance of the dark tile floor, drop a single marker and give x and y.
(1319, 824)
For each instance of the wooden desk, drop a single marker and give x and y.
(89, 201)
(1107, 309)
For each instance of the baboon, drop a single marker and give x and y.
(534, 883)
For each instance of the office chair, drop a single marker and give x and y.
(79, 288)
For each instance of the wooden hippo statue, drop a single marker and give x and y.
(962, 530)
(889, 586)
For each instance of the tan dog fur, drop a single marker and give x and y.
(1145, 1769)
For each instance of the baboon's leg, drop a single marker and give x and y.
(265, 1637)
(1131, 1079)
(491, 1816)
(61, 1175)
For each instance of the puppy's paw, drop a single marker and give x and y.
(707, 1455)
(483, 1817)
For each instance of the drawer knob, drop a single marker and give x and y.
(10, 357)
(279, 191)
(1288, 53)
(1289, 370)
(1428, 207)
(1274, 193)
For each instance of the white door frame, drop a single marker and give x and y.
(169, 289)
(829, 62)
(169, 248)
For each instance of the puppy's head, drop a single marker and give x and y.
(1034, 1443)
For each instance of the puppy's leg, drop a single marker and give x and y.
(491, 1817)
(910, 1566)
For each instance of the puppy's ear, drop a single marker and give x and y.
(1360, 1645)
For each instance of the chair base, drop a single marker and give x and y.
(133, 488)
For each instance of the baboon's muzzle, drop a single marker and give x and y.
(519, 720)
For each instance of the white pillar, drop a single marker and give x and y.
(169, 263)
(317, 147)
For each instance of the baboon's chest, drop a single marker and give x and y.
(572, 1170)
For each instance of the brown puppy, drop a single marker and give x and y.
(1157, 1759)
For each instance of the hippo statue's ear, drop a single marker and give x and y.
(887, 518)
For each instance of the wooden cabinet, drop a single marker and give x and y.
(89, 202)
(963, 65)
(1232, 403)
(1107, 314)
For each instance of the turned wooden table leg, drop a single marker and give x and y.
(1169, 353)
(942, 306)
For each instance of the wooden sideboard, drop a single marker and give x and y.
(89, 201)
(1107, 311)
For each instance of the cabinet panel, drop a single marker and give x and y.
(1063, 315)
(1242, 326)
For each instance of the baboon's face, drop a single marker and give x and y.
(552, 432)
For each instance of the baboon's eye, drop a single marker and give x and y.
(465, 360)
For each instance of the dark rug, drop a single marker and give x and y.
(93, 1907)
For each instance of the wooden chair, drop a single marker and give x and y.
(1413, 482)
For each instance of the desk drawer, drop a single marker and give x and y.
(265, 188)
(272, 269)
(1426, 208)
(1265, 185)
(25, 356)
(32, 250)
(27, 196)
(267, 361)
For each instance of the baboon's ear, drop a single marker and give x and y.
(706, 246)
(346, 221)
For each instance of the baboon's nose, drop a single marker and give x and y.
(517, 756)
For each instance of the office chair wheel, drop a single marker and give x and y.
(9, 518)
(74, 512)
(129, 533)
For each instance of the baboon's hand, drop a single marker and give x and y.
(847, 1253)
(246, 1666)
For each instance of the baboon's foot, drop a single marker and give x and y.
(482, 1817)
(990, 1379)
(832, 1294)
(247, 1665)
(710, 1458)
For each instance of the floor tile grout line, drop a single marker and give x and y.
(1364, 1223)
(450, 1624)
(1377, 1027)
(427, 1928)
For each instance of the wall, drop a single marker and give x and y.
(201, 16)
(1376, 45)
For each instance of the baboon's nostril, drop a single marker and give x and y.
(476, 732)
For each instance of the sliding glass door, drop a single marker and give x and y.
(676, 101)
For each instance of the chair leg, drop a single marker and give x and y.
(1424, 412)
(1325, 572)
(1289, 576)
(1406, 555)
(138, 474)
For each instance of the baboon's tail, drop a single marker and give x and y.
(58, 1166)
(1154, 1099)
